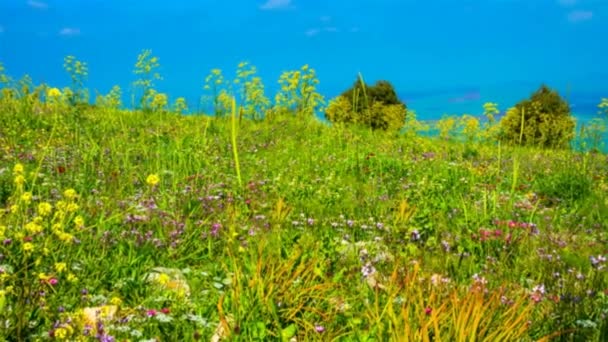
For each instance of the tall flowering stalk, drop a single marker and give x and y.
(146, 66)
(298, 94)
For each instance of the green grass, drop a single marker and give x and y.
(289, 229)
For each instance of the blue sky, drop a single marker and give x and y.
(443, 56)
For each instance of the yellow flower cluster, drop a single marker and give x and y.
(159, 101)
(298, 91)
(18, 173)
(44, 209)
(64, 332)
(53, 93)
(152, 179)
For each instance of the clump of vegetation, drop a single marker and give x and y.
(374, 106)
(145, 224)
(542, 120)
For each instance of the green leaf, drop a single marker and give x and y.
(289, 332)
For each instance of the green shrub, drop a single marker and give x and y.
(374, 106)
(542, 120)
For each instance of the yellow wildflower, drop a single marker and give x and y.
(163, 279)
(72, 207)
(116, 301)
(33, 228)
(153, 179)
(14, 208)
(66, 237)
(26, 197)
(2, 231)
(59, 215)
(44, 209)
(28, 247)
(61, 333)
(18, 169)
(19, 180)
(72, 278)
(79, 221)
(60, 267)
(43, 276)
(70, 194)
(61, 205)
(53, 92)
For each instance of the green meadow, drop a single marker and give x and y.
(259, 222)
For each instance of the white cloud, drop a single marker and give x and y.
(579, 15)
(37, 4)
(69, 31)
(276, 4)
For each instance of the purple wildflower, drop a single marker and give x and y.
(415, 235)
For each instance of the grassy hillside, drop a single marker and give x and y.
(318, 232)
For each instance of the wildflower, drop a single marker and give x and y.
(319, 328)
(116, 301)
(19, 180)
(26, 197)
(151, 313)
(428, 311)
(165, 311)
(445, 245)
(60, 333)
(28, 247)
(163, 279)
(65, 237)
(44, 209)
(53, 93)
(72, 207)
(53, 281)
(415, 235)
(368, 270)
(61, 205)
(18, 169)
(70, 194)
(79, 221)
(537, 293)
(597, 262)
(215, 229)
(33, 228)
(60, 267)
(152, 179)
